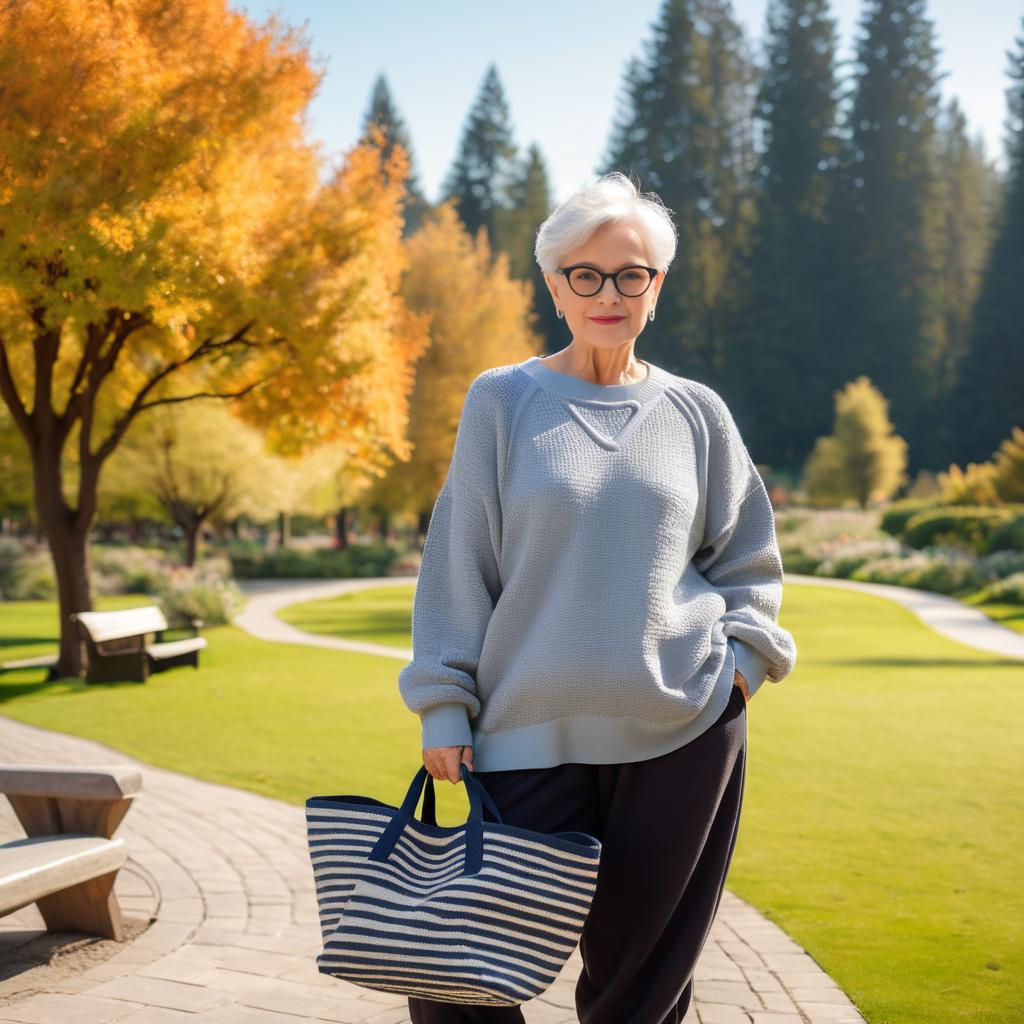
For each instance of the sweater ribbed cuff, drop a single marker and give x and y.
(751, 663)
(447, 725)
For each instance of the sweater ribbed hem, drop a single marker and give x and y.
(597, 740)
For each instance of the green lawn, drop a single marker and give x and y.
(882, 820)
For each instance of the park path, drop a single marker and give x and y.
(225, 876)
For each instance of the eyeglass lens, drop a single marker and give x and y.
(630, 280)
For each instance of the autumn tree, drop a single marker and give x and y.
(480, 316)
(862, 458)
(200, 465)
(164, 236)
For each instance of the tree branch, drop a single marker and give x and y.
(10, 395)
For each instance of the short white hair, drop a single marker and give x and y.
(611, 198)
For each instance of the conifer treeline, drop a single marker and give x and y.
(829, 225)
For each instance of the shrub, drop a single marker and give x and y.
(848, 557)
(127, 570)
(31, 578)
(1001, 564)
(1010, 590)
(204, 592)
(895, 518)
(1008, 536)
(358, 560)
(10, 551)
(966, 525)
(946, 573)
(893, 569)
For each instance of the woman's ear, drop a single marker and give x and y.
(549, 280)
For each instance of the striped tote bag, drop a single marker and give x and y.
(483, 913)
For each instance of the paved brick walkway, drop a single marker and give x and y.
(225, 874)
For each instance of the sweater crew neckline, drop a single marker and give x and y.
(565, 384)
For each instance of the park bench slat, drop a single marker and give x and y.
(173, 648)
(40, 866)
(39, 661)
(126, 622)
(72, 782)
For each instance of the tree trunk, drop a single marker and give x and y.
(342, 523)
(283, 529)
(66, 531)
(192, 542)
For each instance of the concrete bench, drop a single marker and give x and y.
(69, 861)
(116, 648)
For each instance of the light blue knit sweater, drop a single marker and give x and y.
(599, 560)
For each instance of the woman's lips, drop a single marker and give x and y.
(607, 319)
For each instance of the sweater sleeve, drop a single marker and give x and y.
(739, 555)
(458, 583)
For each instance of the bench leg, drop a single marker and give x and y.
(48, 815)
(89, 907)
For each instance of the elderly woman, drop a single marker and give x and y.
(597, 603)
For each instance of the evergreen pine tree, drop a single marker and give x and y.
(783, 342)
(683, 131)
(383, 112)
(887, 223)
(485, 166)
(530, 204)
(988, 398)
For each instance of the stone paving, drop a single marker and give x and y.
(224, 874)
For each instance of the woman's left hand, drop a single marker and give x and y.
(739, 681)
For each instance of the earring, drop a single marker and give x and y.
(559, 313)
(650, 316)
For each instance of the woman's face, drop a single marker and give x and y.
(611, 247)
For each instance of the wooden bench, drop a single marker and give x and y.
(70, 858)
(116, 647)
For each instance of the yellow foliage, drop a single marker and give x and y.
(975, 486)
(1009, 463)
(164, 228)
(862, 459)
(480, 316)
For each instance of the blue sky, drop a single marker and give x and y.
(434, 55)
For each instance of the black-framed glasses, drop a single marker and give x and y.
(630, 281)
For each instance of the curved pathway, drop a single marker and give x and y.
(224, 874)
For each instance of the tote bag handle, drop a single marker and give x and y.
(474, 824)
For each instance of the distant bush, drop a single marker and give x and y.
(969, 526)
(127, 570)
(30, 576)
(1009, 590)
(205, 592)
(1001, 564)
(940, 571)
(842, 562)
(896, 516)
(946, 573)
(10, 551)
(892, 569)
(1008, 536)
(358, 560)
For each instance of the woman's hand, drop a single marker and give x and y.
(739, 681)
(443, 762)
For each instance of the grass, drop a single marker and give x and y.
(1009, 615)
(881, 826)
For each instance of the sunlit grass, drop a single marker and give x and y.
(882, 817)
